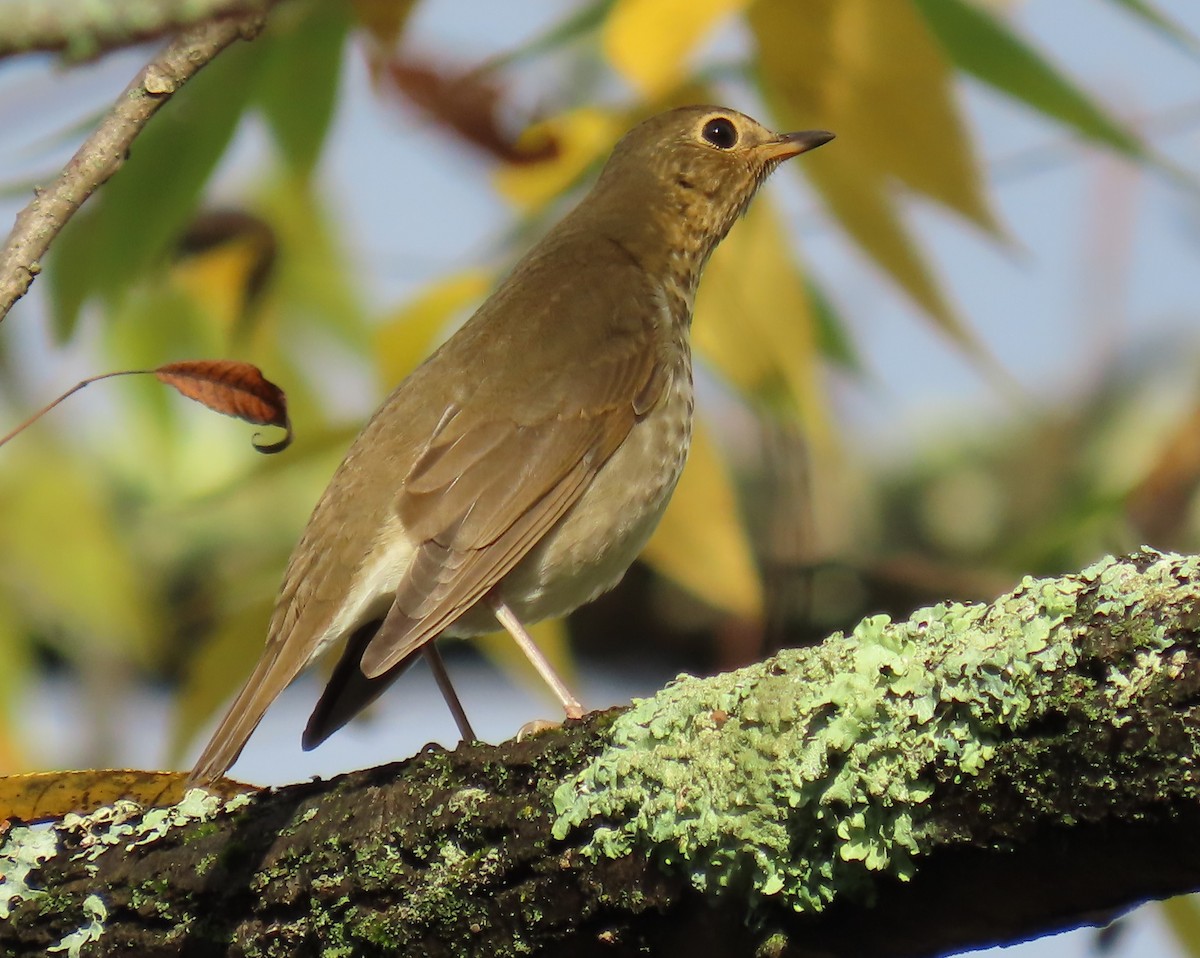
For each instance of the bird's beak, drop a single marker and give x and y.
(787, 145)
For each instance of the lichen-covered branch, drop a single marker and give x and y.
(976, 774)
(81, 30)
(104, 151)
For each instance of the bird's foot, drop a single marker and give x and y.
(536, 727)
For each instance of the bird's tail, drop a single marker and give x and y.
(261, 689)
(349, 691)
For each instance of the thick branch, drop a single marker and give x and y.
(82, 30)
(977, 774)
(104, 151)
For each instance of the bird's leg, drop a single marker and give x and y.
(438, 666)
(513, 625)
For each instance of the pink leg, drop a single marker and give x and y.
(514, 628)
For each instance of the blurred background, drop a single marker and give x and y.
(959, 345)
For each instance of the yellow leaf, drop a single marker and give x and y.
(648, 41)
(42, 796)
(406, 338)
(815, 66)
(871, 71)
(1183, 917)
(701, 542)
(754, 322)
(226, 272)
(217, 279)
(582, 136)
(384, 19)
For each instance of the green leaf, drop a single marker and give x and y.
(1159, 21)
(66, 560)
(573, 29)
(315, 285)
(136, 216)
(831, 331)
(298, 92)
(980, 44)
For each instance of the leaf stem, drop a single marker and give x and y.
(70, 392)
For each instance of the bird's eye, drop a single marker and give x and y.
(720, 132)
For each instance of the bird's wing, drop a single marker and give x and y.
(487, 489)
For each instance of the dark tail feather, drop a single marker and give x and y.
(349, 691)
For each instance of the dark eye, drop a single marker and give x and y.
(720, 132)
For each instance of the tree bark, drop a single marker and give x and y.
(977, 774)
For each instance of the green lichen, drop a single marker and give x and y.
(122, 826)
(197, 805)
(802, 776)
(94, 913)
(205, 864)
(20, 856)
(772, 946)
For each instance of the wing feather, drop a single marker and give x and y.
(444, 581)
(483, 493)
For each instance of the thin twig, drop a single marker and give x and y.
(84, 31)
(103, 153)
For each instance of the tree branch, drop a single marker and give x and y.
(104, 151)
(977, 774)
(82, 31)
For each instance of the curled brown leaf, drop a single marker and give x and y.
(224, 385)
(235, 389)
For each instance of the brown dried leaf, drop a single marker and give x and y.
(43, 796)
(1158, 505)
(234, 388)
(469, 105)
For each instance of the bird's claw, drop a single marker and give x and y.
(536, 727)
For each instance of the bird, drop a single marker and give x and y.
(516, 474)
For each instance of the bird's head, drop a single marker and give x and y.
(690, 172)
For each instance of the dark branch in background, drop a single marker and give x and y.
(103, 153)
(83, 31)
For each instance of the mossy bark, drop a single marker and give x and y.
(973, 775)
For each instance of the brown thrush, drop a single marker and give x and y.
(518, 472)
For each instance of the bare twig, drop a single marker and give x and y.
(81, 31)
(103, 153)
